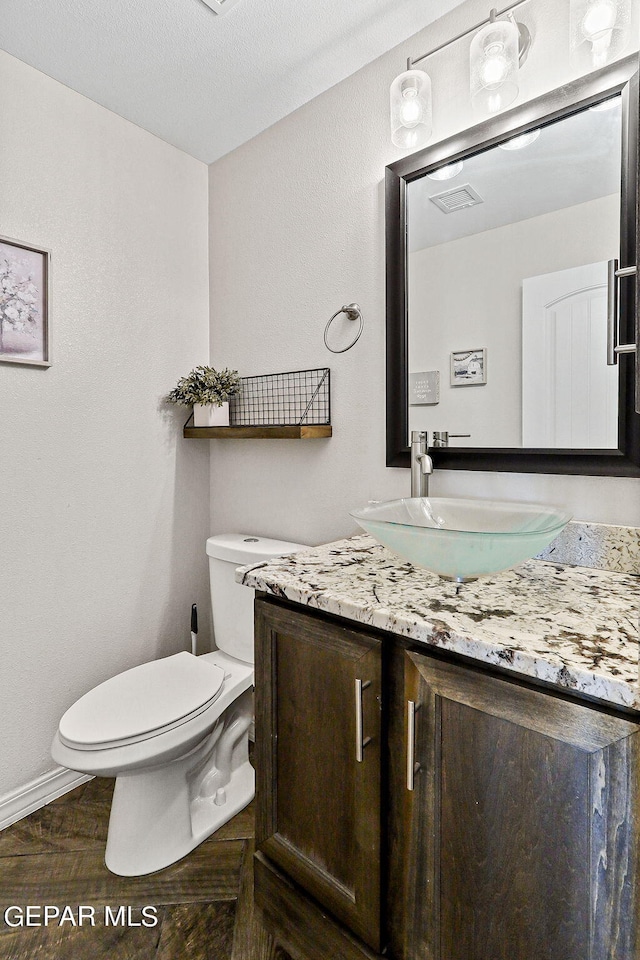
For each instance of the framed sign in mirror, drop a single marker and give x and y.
(512, 248)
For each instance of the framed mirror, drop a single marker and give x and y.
(512, 304)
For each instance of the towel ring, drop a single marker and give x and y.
(353, 312)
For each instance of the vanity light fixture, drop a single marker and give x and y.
(493, 65)
(448, 172)
(497, 51)
(411, 109)
(600, 26)
(518, 143)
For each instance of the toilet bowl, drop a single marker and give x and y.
(174, 732)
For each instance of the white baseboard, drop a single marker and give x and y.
(41, 791)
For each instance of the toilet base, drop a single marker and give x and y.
(160, 814)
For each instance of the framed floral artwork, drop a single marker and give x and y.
(24, 303)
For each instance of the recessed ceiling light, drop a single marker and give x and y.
(220, 6)
(517, 143)
(447, 172)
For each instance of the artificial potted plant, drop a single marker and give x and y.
(208, 390)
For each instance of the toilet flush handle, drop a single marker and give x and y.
(194, 629)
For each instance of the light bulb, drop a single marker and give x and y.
(495, 66)
(599, 18)
(410, 109)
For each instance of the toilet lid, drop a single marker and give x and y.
(142, 702)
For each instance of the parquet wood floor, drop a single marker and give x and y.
(204, 903)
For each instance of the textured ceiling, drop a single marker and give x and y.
(204, 82)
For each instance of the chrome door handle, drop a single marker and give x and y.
(361, 740)
(412, 766)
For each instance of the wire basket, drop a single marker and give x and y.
(283, 399)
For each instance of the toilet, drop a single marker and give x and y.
(174, 732)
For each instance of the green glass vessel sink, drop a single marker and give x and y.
(462, 539)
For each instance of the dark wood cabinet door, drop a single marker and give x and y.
(318, 772)
(520, 838)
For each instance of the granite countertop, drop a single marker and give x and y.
(571, 626)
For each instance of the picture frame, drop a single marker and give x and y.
(468, 367)
(25, 303)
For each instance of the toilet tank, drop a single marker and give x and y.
(231, 603)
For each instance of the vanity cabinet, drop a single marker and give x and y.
(488, 819)
(518, 836)
(318, 771)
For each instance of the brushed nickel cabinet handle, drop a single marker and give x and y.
(412, 765)
(361, 740)
(614, 272)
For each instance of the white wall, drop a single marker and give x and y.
(297, 230)
(467, 293)
(104, 508)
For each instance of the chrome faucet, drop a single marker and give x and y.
(421, 464)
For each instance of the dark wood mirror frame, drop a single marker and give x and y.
(622, 78)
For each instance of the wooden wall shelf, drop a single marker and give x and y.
(295, 432)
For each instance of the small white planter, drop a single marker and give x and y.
(208, 415)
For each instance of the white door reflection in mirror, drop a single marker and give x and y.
(569, 395)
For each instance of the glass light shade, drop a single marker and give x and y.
(493, 63)
(447, 172)
(519, 143)
(411, 109)
(599, 30)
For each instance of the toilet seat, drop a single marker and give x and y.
(141, 703)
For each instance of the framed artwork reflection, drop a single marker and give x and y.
(468, 367)
(24, 303)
